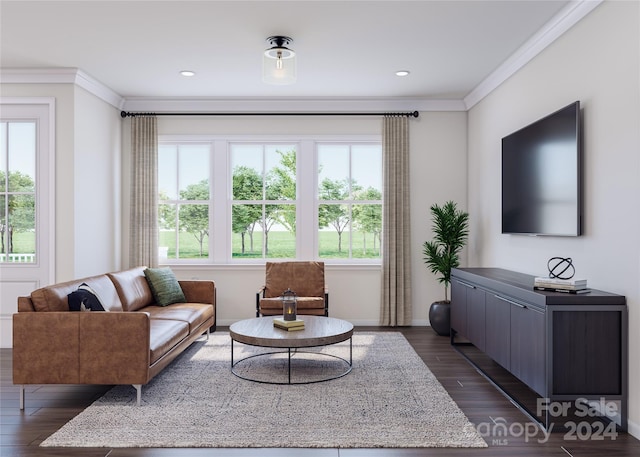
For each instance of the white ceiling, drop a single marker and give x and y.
(344, 48)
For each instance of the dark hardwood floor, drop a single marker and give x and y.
(49, 407)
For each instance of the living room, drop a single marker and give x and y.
(455, 155)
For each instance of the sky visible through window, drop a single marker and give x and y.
(21, 145)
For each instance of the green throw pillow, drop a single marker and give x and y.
(164, 286)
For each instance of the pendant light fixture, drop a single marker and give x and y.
(279, 62)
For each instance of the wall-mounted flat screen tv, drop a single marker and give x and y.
(541, 176)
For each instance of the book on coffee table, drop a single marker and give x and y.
(289, 329)
(297, 324)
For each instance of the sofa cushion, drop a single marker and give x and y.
(164, 286)
(84, 299)
(133, 288)
(55, 297)
(301, 303)
(165, 334)
(305, 305)
(192, 313)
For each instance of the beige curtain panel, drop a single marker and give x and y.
(143, 231)
(396, 306)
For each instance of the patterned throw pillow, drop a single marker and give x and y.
(85, 299)
(164, 286)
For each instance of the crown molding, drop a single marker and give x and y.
(61, 76)
(223, 104)
(299, 105)
(98, 89)
(38, 75)
(558, 25)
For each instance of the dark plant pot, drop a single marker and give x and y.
(440, 317)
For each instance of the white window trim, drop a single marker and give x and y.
(45, 193)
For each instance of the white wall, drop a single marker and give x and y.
(438, 173)
(96, 183)
(596, 62)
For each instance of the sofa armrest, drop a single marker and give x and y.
(114, 347)
(201, 291)
(197, 291)
(81, 348)
(46, 348)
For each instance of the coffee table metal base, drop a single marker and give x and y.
(290, 352)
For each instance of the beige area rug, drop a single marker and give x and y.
(390, 399)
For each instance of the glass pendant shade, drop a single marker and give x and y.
(279, 62)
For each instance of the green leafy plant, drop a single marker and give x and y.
(450, 228)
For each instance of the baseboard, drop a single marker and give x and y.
(634, 429)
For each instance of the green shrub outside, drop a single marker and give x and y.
(281, 245)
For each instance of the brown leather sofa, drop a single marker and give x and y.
(129, 344)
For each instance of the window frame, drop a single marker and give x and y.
(263, 201)
(220, 202)
(350, 201)
(177, 201)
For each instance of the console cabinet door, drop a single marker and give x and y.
(528, 343)
(476, 317)
(459, 307)
(498, 333)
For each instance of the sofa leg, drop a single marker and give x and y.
(21, 396)
(138, 393)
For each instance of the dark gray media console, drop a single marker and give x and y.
(564, 347)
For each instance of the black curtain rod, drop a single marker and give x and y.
(125, 114)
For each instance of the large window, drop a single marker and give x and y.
(18, 192)
(184, 201)
(263, 211)
(243, 200)
(349, 200)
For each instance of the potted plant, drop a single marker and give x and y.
(450, 228)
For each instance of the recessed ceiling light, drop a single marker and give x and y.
(402, 73)
(188, 73)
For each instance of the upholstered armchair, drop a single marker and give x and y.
(306, 279)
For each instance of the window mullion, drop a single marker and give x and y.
(306, 208)
(220, 207)
(177, 191)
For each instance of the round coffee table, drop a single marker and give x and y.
(318, 331)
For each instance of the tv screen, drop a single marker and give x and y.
(541, 176)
